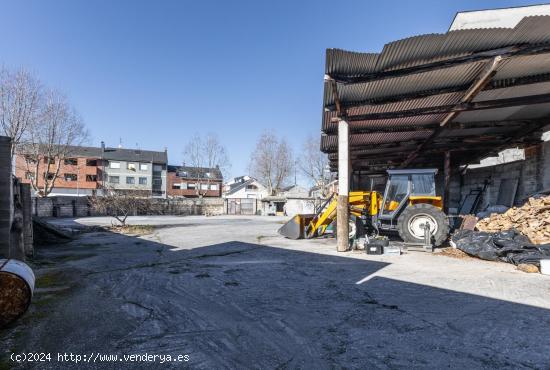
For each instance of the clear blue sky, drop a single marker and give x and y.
(155, 72)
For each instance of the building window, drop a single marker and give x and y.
(143, 167)
(48, 160)
(114, 164)
(191, 185)
(143, 180)
(176, 186)
(183, 185)
(71, 162)
(204, 186)
(70, 177)
(114, 179)
(29, 175)
(214, 187)
(91, 178)
(251, 187)
(157, 167)
(131, 166)
(130, 180)
(49, 176)
(157, 182)
(30, 159)
(91, 162)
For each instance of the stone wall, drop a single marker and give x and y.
(16, 239)
(6, 200)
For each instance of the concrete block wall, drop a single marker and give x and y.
(79, 206)
(61, 207)
(533, 173)
(43, 207)
(190, 206)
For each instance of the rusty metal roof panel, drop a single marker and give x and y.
(509, 113)
(398, 124)
(437, 79)
(329, 142)
(429, 101)
(527, 65)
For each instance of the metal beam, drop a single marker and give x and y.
(432, 126)
(485, 77)
(506, 52)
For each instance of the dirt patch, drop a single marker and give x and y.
(133, 229)
(525, 267)
(259, 238)
(453, 253)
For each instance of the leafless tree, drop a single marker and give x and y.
(20, 98)
(205, 155)
(272, 162)
(120, 204)
(51, 141)
(314, 163)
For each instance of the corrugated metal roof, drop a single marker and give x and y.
(440, 85)
(437, 79)
(417, 50)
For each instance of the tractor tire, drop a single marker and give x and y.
(410, 221)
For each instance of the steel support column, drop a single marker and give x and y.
(342, 211)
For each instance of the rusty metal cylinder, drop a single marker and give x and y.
(16, 289)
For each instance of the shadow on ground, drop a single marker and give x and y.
(243, 305)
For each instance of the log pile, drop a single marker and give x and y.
(15, 297)
(532, 220)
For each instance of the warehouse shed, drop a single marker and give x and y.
(440, 100)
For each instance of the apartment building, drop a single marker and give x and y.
(135, 169)
(79, 175)
(89, 170)
(189, 182)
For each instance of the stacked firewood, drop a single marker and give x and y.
(532, 219)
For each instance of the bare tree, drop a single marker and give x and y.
(20, 98)
(314, 163)
(204, 156)
(120, 204)
(271, 162)
(51, 141)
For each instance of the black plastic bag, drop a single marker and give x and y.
(508, 246)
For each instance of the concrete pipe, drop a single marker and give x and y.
(16, 289)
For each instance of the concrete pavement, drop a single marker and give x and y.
(231, 293)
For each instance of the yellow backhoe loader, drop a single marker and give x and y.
(409, 205)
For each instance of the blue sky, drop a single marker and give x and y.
(153, 73)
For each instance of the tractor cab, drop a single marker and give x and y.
(407, 187)
(410, 204)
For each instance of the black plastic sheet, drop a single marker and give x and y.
(508, 246)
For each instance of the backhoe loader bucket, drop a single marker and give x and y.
(295, 227)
